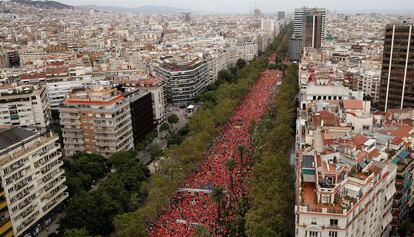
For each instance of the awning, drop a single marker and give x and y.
(308, 171)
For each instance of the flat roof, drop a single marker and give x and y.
(308, 161)
(13, 135)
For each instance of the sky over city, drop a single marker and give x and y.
(244, 6)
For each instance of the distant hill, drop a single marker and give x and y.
(143, 9)
(43, 4)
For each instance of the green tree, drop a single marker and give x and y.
(240, 63)
(201, 231)
(164, 127)
(217, 196)
(93, 211)
(225, 75)
(230, 165)
(173, 119)
(140, 146)
(155, 150)
(76, 233)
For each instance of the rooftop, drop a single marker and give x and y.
(13, 135)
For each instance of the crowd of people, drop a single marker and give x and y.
(189, 209)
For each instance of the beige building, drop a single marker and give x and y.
(96, 120)
(32, 181)
(25, 106)
(337, 202)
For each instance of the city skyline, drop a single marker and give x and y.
(267, 6)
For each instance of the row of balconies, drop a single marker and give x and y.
(23, 204)
(22, 194)
(50, 185)
(59, 189)
(48, 167)
(26, 223)
(55, 201)
(52, 174)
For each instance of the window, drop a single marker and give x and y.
(313, 221)
(333, 234)
(333, 222)
(313, 234)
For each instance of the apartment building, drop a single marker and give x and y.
(96, 120)
(184, 79)
(142, 116)
(25, 106)
(369, 83)
(58, 90)
(32, 181)
(245, 48)
(281, 15)
(153, 84)
(345, 181)
(308, 30)
(397, 77)
(403, 198)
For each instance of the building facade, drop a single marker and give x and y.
(57, 91)
(142, 116)
(26, 106)
(397, 76)
(96, 120)
(308, 30)
(32, 181)
(183, 80)
(153, 84)
(280, 15)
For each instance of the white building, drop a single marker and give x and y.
(268, 26)
(31, 178)
(184, 79)
(25, 106)
(369, 83)
(336, 92)
(57, 91)
(356, 206)
(235, 50)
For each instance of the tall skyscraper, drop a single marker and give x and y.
(308, 30)
(397, 77)
(313, 28)
(280, 15)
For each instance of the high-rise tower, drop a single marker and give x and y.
(308, 30)
(397, 77)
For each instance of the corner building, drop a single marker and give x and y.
(96, 120)
(32, 181)
(184, 80)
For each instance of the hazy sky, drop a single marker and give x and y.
(266, 5)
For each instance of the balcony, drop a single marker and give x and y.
(57, 200)
(5, 227)
(72, 141)
(59, 181)
(72, 135)
(70, 122)
(3, 204)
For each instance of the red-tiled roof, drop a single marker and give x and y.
(353, 104)
(359, 140)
